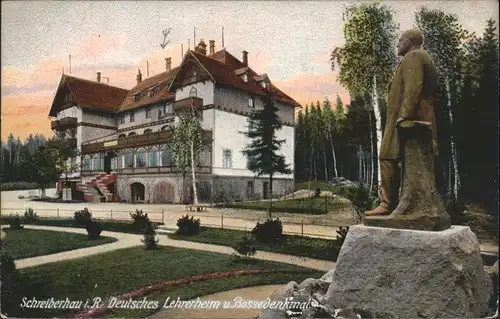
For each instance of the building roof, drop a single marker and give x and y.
(162, 83)
(91, 94)
(224, 67)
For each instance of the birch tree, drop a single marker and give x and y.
(187, 145)
(443, 39)
(367, 60)
(329, 121)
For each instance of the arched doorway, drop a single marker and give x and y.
(137, 191)
(163, 193)
(110, 162)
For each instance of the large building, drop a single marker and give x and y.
(122, 135)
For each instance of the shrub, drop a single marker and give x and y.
(317, 192)
(456, 210)
(141, 220)
(188, 226)
(15, 223)
(245, 246)
(271, 231)
(94, 230)
(150, 239)
(83, 217)
(30, 216)
(14, 186)
(341, 235)
(10, 283)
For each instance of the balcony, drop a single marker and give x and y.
(153, 138)
(63, 124)
(72, 142)
(187, 102)
(165, 170)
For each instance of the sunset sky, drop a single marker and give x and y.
(290, 41)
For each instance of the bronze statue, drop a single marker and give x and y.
(409, 143)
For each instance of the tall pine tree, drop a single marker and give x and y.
(262, 151)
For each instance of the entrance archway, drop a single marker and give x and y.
(137, 191)
(163, 193)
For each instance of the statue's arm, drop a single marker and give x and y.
(413, 79)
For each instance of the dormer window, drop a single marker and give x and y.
(136, 97)
(245, 78)
(251, 102)
(264, 84)
(151, 92)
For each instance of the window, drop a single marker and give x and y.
(136, 97)
(164, 128)
(164, 110)
(250, 189)
(132, 134)
(153, 157)
(151, 92)
(227, 160)
(251, 102)
(86, 163)
(245, 78)
(129, 159)
(148, 131)
(122, 119)
(193, 92)
(97, 162)
(140, 158)
(166, 157)
(148, 113)
(132, 116)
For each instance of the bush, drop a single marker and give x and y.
(94, 230)
(150, 239)
(141, 220)
(17, 186)
(456, 210)
(317, 192)
(188, 226)
(83, 217)
(15, 223)
(245, 246)
(10, 283)
(30, 216)
(271, 231)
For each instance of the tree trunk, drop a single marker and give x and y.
(325, 162)
(378, 125)
(335, 173)
(371, 148)
(195, 193)
(454, 164)
(360, 157)
(269, 214)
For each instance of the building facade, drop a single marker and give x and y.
(122, 135)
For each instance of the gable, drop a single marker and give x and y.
(190, 71)
(63, 99)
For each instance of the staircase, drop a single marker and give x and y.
(96, 185)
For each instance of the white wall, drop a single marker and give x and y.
(73, 111)
(227, 136)
(205, 91)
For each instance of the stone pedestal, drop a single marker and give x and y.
(411, 274)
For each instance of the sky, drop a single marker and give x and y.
(291, 41)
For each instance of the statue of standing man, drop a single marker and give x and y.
(410, 98)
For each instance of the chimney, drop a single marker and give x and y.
(168, 64)
(212, 46)
(99, 77)
(245, 58)
(139, 76)
(201, 47)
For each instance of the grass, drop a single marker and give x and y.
(311, 205)
(293, 245)
(128, 269)
(109, 225)
(25, 243)
(312, 185)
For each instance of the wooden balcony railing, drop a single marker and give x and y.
(184, 103)
(153, 138)
(64, 123)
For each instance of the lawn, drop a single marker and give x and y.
(128, 269)
(293, 245)
(26, 243)
(311, 205)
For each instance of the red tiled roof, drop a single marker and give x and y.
(222, 66)
(93, 94)
(161, 80)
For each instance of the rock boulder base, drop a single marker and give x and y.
(411, 274)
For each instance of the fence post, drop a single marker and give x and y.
(57, 212)
(111, 213)
(302, 227)
(222, 221)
